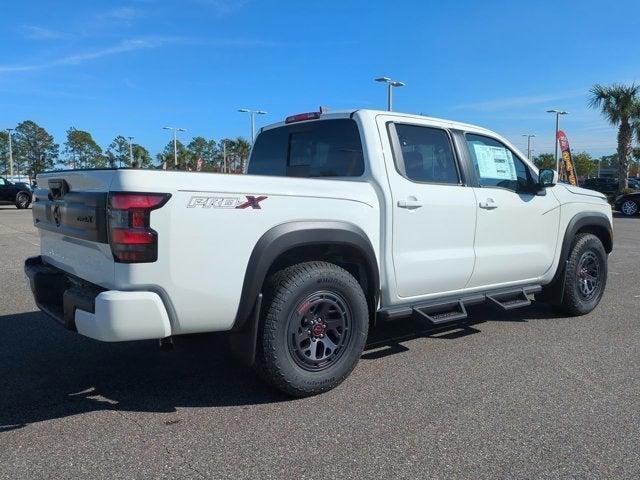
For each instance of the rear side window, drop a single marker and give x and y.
(328, 148)
(427, 155)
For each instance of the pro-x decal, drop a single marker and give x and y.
(226, 202)
(253, 202)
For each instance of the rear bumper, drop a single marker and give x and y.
(106, 315)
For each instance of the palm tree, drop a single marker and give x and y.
(242, 148)
(620, 105)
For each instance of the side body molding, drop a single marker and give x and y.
(286, 236)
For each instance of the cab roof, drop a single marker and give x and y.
(334, 114)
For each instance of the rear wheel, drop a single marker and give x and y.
(22, 201)
(629, 208)
(314, 328)
(585, 275)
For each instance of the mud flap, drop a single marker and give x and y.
(243, 343)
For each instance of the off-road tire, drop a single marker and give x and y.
(276, 359)
(585, 246)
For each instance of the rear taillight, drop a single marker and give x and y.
(131, 238)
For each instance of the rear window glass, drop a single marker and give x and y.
(328, 148)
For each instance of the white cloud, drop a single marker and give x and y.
(40, 33)
(132, 45)
(118, 15)
(75, 59)
(519, 102)
(224, 6)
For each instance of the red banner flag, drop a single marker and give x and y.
(567, 161)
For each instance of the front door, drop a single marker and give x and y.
(517, 229)
(434, 213)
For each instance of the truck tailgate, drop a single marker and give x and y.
(70, 211)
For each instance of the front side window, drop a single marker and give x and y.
(427, 155)
(327, 148)
(497, 166)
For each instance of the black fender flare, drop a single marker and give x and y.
(281, 238)
(554, 291)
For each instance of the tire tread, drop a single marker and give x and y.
(280, 287)
(571, 303)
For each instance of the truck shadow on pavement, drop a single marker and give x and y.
(47, 372)
(386, 339)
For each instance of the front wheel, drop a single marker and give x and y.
(629, 208)
(585, 275)
(314, 328)
(22, 201)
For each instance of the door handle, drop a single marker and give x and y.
(411, 203)
(488, 204)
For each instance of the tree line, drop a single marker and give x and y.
(35, 151)
(588, 166)
(619, 104)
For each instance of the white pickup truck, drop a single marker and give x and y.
(344, 218)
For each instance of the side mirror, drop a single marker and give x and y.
(547, 178)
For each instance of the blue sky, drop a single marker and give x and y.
(131, 67)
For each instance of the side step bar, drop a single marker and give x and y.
(453, 309)
(509, 301)
(442, 314)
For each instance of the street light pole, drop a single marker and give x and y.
(529, 137)
(130, 151)
(9, 130)
(391, 84)
(224, 156)
(175, 143)
(558, 113)
(252, 119)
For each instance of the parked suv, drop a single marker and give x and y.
(344, 219)
(18, 193)
(608, 186)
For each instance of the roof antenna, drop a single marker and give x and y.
(323, 109)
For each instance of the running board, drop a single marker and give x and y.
(442, 314)
(452, 309)
(509, 301)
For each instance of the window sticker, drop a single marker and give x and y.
(495, 162)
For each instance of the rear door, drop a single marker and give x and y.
(69, 211)
(434, 212)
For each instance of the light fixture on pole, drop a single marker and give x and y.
(529, 137)
(9, 130)
(130, 151)
(252, 116)
(175, 142)
(555, 139)
(391, 84)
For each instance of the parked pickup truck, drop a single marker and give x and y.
(344, 219)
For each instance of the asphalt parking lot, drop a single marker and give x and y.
(521, 395)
